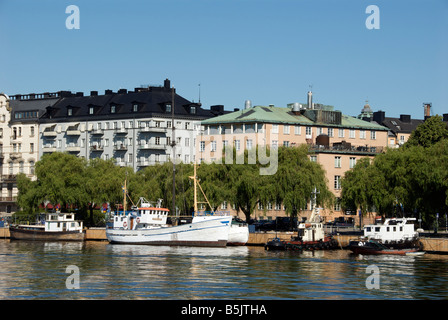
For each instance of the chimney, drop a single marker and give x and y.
(310, 100)
(405, 118)
(167, 84)
(247, 104)
(108, 91)
(427, 112)
(296, 108)
(122, 91)
(379, 116)
(93, 93)
(445, 117)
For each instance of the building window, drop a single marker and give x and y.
(32, 132)
(330, 132)
(31, 147)
(285, 129)
(337, 204)
(297, 130)
(337, 162)
(319, 131)
(69, 112)
(157, 141)
(313, 158)
(362, 134)
(135, 108)
(113, 109)
(308, 131)
(193, 110)
(237, 145)
(352, 162)
(274, 143)
(213, 146)
(275, 128)
(202, 146)
(224, 205)
(352, 133)
(286, 143)
(187, 142)
(249, 144)
(91, 109)
(31, 167)
(341, 133)
(337, 182)
(372, 135)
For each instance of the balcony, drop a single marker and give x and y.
(8, 199)
(98, 132)
(73, 130)
(97, 148)
(9, 177)
(148, 146)
(347, 148)
(120, 147)
(152, 129)
(73, 149)
(120, 131)
(49, 133)
(49, 148)
(15, 155)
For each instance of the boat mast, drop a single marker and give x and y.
(124, 194)
(173, 144)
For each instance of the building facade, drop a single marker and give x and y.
(335, 140)
(137, 128)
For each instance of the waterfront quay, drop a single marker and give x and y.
(431, 242)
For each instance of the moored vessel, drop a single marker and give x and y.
(57, 227)
(394, 236)
(310, 236)
(147, 223)
(238, 233)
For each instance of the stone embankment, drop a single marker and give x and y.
(430, 244)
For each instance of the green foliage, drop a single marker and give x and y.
(428, 133)
(411, 180)
(68, 180)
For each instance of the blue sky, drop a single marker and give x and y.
(266, 51)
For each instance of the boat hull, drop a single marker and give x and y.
(377, 248)
(238, 235)
(208, 233)
(17, 233)
(328, 243)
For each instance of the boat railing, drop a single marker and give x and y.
(211, 213)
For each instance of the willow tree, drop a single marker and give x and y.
(296, 179)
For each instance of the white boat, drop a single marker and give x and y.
(394, 236)
(148, 224)
(238, 234)
(57, 227)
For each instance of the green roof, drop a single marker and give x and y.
(262, 114)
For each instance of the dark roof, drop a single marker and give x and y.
(23, 110)
(402, 124)
(150, 101)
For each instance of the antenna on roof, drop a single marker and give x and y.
(199, 85)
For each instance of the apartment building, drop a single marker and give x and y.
(335, 140)
(133, 127)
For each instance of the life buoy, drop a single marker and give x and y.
(125, 224)
(138, 219)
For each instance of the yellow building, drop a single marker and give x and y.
(335, 140)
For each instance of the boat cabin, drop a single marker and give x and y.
(58, 222)
(392, 229)
(146, 216)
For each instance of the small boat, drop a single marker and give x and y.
(311, 236)
(394, 236)
(238, 233)
(147, 223)
(57, 227)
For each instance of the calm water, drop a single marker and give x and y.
(33, 270)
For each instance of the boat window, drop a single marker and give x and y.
(69, 216)
(377, 229)
(395, 229)
(387, 229)
(368, 229)
(401, 228)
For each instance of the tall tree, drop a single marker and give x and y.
(428, 133)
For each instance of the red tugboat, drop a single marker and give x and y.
(311, 236)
